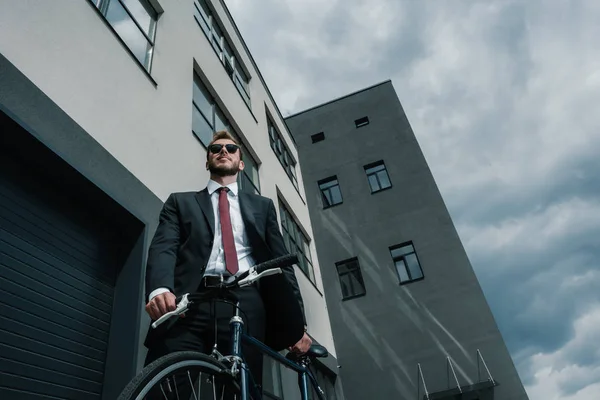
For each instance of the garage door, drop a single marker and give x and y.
(56, 288)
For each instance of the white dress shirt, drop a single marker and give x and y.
(216, 261)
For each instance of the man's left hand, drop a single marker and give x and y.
(303, 345)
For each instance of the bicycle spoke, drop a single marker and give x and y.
(163, 392)
(176, 391)
(214, 387)
(192, 385)
(199, 382)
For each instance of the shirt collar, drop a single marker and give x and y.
(213, 186)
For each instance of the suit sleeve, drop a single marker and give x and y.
(162, 255)
(277, 246)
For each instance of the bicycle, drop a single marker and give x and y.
(225, 374)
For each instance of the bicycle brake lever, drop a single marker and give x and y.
(182, 307)
(253, 276)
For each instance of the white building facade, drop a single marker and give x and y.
(120, 98)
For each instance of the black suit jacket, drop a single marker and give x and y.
(181, 247)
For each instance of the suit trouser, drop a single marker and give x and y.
(196, 331)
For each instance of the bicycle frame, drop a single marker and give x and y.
(237, 337)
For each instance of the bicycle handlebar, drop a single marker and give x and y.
(271, 267)
(279, 262)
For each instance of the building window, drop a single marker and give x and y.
(221, 45)
(272, 384)
(361, 122)
(208, 118)
(330, 191)
(317, 137)
(326, 381)
(135, 23)
(351, 280)
(377, 176)
(248, 179)
(282, 152)
(296, 242)
(406, 263)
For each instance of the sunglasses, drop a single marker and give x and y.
(216, 148)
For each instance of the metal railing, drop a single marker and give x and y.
(450, 368)
(422, 380)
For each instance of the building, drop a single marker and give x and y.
(408, 315)
(106, 107)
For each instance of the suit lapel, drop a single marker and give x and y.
(203, 199)
(247, 210)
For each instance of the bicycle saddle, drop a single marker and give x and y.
(315, 350)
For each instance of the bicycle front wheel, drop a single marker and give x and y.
(182, 375)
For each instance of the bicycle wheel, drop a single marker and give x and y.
(182, 376)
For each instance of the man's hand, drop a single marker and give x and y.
(160, 305)
(303, 345)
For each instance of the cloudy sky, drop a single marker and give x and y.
(504, 99)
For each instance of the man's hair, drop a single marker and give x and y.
(223, 135)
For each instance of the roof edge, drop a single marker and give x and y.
(340, 98)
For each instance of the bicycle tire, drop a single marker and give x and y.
(153, 373)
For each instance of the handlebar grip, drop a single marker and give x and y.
(279, 262)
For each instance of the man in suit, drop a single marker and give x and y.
(215, 234)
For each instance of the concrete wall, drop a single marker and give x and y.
(382, 336)
(143, 120)
(44, 124)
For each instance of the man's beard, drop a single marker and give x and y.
(223, 170)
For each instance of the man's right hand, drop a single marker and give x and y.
(160, 305)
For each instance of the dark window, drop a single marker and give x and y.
(326, 381)
(223, 48)
(361, 122)
(317, 137)
(272, 385)
(377, 176)
(296, 242)
(248, 179)
(282, 152)
(406, 263)
(330, 191)
(351, 280)
(135, 23)
(208, 118)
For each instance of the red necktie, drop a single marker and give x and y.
(231, 260)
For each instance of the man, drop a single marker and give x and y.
(215, 234)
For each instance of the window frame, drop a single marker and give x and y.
(362, 121)
(275, 378)
(282, 152)
(226, 52)
(402, 257)
(328, 189)
(376, 175)
(353, 260)
(326, 381)
(102, 6)
(294, 233)
(317, 137)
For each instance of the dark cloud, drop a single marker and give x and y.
(502, 200)
(502, 97)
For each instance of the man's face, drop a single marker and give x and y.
(221, 162)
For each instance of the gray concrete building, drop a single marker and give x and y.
(408, 315)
